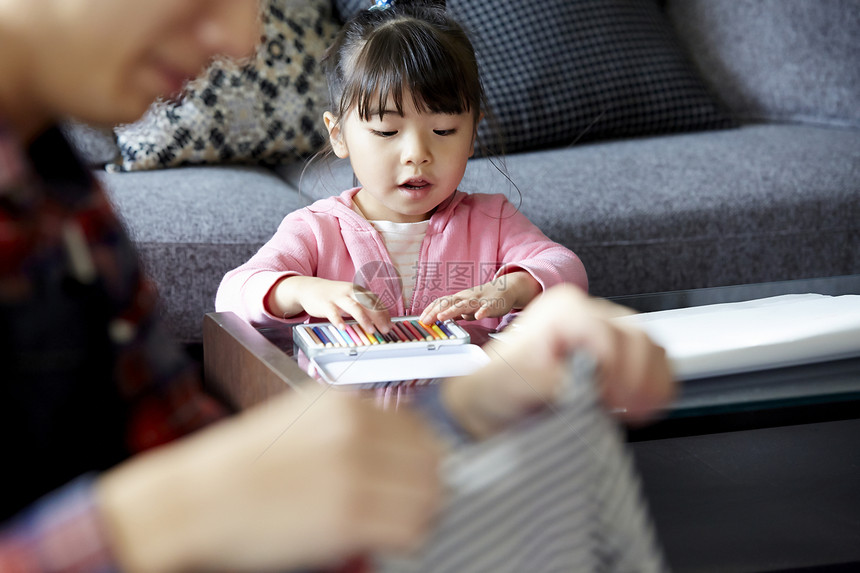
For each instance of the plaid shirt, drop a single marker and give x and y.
(69, 277)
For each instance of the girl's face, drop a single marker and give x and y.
(105, 61)
(407, 164)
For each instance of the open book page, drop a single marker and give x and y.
(765, 333)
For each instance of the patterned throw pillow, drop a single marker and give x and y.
(563, 71)
(265, 110)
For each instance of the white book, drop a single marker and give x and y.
(773, 332)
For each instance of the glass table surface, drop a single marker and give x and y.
(823, 384)
(814, 383)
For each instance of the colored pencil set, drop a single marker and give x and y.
(406, 331)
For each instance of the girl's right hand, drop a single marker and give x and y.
(329, 300)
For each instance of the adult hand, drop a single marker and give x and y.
(303, 480)
(527, 367)
(489, 300)
(330, 300)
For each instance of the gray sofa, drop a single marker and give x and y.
(777, 197)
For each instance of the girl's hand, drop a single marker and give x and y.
(493, 299)
(528, 366)
(330, 300)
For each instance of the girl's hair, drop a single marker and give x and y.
(410, 45)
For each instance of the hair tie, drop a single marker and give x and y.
(382, 4)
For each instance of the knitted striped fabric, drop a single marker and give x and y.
(557, 493)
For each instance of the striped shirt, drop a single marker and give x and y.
(403, 241)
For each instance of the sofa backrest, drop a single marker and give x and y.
(777, 60)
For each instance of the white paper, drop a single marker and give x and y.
(764, 333)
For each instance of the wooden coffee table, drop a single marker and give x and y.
(243, 367)
(246, 365)
(746, 473)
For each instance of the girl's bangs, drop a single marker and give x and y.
(391, 64)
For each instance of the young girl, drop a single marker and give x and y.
(405, 105)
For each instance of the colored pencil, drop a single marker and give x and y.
(438, 331)
(412, 330)
(444, 328)
(314, 336)
(358, 333)
(322, 336)
(340, 336)
(328, 330)
(370, 338)
(424, 334)
(430, 331)
(407, 335)
(396, 332)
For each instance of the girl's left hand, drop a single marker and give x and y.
(489, 300)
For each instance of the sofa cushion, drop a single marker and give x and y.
(778, 60)
(761, 203)
(758, 203)
(191, 225)
(266, 110)
(563, 71)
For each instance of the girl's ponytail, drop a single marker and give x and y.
(383, 4)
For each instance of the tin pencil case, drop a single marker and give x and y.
(411, 351)
(407, 333)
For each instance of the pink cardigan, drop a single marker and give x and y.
(471, 239)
